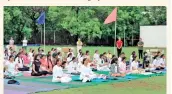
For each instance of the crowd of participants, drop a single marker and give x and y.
(61, 67)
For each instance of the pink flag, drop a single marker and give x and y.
(112, 17)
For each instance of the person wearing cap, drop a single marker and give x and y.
(140, 48)
(79, 45)
(119, 45)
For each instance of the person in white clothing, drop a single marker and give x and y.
(132, 55)
(79, 45)
(58, 75)
(162, 61)
(134, 67)
(87, 74)
(72, 67)
(120, 57)
(69, 58)
(11, 43)
(96, 56)
(25, 43)
(11, 67)
(102, 65)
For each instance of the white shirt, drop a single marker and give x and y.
(96, 56)
(119, 59)
(11, 66)
(134, 65)
(11, 42)
(122, 67)
(156, 63)
(57, 72)
(86, 70)
(100, 61)
(69, 59)
(131, 58)
(162, 61)
(80, 60)
(72, 67)
(24, 42)
(19, 62)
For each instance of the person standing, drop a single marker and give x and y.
(25, 43)
(11, 43)
(140, 48)
(79, 45)
(119, 45)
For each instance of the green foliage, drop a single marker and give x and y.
(86, 22)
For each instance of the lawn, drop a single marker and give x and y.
(153, 85)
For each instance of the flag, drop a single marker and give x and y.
(112, 17)
(41, 19)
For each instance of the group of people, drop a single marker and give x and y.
(54, 63)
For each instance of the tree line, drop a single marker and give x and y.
(64, 24)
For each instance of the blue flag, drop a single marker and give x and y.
(41, 19)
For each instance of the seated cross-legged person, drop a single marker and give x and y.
(72, 67)
(11, 67)
(36, 69)
(87, 74)
(134, 68)
(114, 68)
(45, 64)
(162, 62)
(20, 63)
(102, 65)
(122, 66)
(58, 75)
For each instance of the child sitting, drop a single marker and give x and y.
(58, 75)
(114, 68)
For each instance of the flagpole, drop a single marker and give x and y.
(44, 36)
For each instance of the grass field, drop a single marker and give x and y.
(153, 85)
(102, 49)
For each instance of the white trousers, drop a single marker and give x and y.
(62, 79)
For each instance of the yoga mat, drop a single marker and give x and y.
(37, 84)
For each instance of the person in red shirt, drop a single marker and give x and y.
(119, 45)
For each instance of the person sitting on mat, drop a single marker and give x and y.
(87, 74)
(71, 51)
(133, 54)
(122, 66)
(44, 64)
(162, 61)
(20, 63)
(58, 75)
(50, 64)
(120, 57)
(26, 59)
(158, 63)
(102, 65)
(114, 68)
(72, 67)
(134, 67)
(69, 58)
(96, 56)
(36, 69)
(11, 67)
